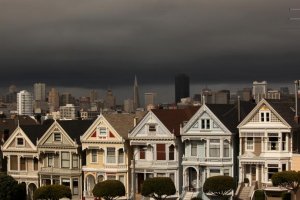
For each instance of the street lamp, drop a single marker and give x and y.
(133, 172)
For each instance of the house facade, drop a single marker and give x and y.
(265, 138)
(208, 139)
(59, 151)
(107, 151)
(157, 148)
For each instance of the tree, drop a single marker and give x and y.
(287, 179)
(20, 191)
(8, 187)
(109, 189)
(52, 192)
(158, 188)
(219, 186)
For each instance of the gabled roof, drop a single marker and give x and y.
(34, 132)
(75, 128)
(173, 118)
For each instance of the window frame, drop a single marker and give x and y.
(213, 142)
(17, 141)
(55, 139)
(94, 154)
(64, 160)
(109, 158)
(248, 145)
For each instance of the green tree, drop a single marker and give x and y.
(20, 192)
(109, 189)
(8, 187)
(52, 192)
(289, 180)
(219, 186)
(158, 188)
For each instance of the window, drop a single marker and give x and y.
(102, 132)
(75, 161)
(160, 175)
(226, 172)
(100, 178)
(111, 158)
(122, 179)
(172, 177)
(22, 164)
(111, 177)
(142, 153)
(152, 127)
(160, 152)
(283, 143)
(121, 156)
(35, 164)
(272, 169)
(65, 182)
(20, 141)
(57, 137)
(94, 153)
(205, 123)
(171, 152)
(75, 186)
(65, 159)
(273, 142)
(249, 143)
(50, 160)
(193, 148)
(226, 149)
(283, 167)
(265, 116)
(214, 148)
(214, 172)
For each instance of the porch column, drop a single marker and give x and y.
(71, 160)
(240, 152)
(19, 162)
(51, 179)
(198, 177)
(207, 148)
(84, 185)
(221, 147)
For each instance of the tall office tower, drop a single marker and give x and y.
(182, 87)
(39, 91)
(68, 111)
(24, 103)
(93, 96)
(53, 100)
(149, 99)
(222, 97)
(109, 100)
(12, 89)
(273, 94)
(128, 105)
(66, 98)
(259, 90)
(136, 98)
(245, 94)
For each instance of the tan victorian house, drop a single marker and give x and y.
(107, 151)
(20, 152)
(59, 150)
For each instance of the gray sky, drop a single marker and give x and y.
(104, 43)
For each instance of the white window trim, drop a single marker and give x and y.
(106, 157)
(246, 145)
(265, 116)
(18, 145)
(52, 155)
(60, 137)
(92, 156)
(205, 123)
(99, 131)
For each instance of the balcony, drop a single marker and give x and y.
(206, 160)
(21, 174)
(55, 170)
(155, 163)
(115, 166)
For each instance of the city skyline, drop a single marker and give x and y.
(103, 44)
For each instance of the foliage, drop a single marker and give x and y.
(286, 196)
(220, 186)
(287, 179)
(8, 187)
(20, 191)
(52, 192)
(259, 195)
(109, 189)
(158, 187)
(196, 198)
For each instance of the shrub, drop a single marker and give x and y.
(109, 189)
(158, 187)
(52, 192)
(259, 195)
(8, 187)
(220, 186)
(286, 196)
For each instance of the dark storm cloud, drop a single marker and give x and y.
(105, 42)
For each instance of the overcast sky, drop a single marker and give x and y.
(104, 43)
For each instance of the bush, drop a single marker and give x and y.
(220, 186)
(8, 187)
(196, 198)
(158, 187)
(52, 192)
(109, 189)
(259, 195)
(286, 196)
(20, 192)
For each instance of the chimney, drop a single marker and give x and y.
(135, 121)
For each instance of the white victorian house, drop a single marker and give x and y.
(266, 142)
(157, 147)
(209, 146)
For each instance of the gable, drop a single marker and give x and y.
(18, 140)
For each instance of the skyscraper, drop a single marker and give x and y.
(39, 91)
(182, 87)
(149, 99)
(24, 103)
(136, 98)
(109, 100)
(53, 100)
(259, 90)
(93, 96)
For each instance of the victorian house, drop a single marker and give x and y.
(210, 145)
(157, 147)
(59, 151)
(266, 142)
(20, 152)
(107, 151)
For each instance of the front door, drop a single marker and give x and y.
(140, 182)
(253, 173)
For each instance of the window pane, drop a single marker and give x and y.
(35, 164)
(14, 162)
(111, 177)
(22, 163)
(111, 155)
(161, 151)
(122, 179)
(202, 123)
(65, 159)
(193, 148)
(214, 172)
(171, 152)
(226, 149)
(214, 148)
(57, 137)
(75, 186)
(50, 160)
(142, 154)
(250, 143)
(75, 161)
(207, 124)
(121, 156)
(102, 131)
(94, 155)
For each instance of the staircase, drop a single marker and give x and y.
(189, 195)
(244, 194)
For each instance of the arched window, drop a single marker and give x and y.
(171, 152)
(120, 156)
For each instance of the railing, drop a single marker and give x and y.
(60, 170)
(116, 166)
(23, 173)
(195, 159)
(149, 163)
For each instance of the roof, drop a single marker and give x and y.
(173, 118)
(228, 113)
(123, 123)
(34, 132)
(75, 128)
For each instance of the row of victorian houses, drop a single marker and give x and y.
(188, 145)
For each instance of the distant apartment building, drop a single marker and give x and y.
(136, 97)
(24, 103)
(53, 100)
(66, 98)
(259, 90)
(219, 97)
(68, 112)
(245, 94)
(93, 96)
(273, 94)
(182, 87)
(39, 91)
(128, 106)
(149, 99)
(109, 100)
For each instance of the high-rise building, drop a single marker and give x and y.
(12, 89)
(24, 103)
(222, 97)
(259, 90)
(136, 98)
(53, 100)
(245, 94)
(273, 94)
(68, 112)
(149, 99)
(128, 106)
(66, 98)
(182, 87)
(93, 96)
(109, 100)
(39, 91)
